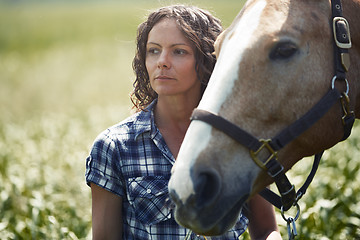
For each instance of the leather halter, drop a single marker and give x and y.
(289, 197)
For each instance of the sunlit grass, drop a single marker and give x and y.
(330, 208)
(43, 194)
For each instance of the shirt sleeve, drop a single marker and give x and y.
(102, 165)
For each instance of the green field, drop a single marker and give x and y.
(65, 75)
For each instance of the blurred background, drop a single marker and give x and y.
(65, 75)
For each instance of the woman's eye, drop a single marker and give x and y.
(283, 50)
(180, 51)
(153, 51)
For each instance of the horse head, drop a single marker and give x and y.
(275, 62)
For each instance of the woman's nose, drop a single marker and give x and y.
(164, 60)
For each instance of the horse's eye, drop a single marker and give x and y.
(283, 50)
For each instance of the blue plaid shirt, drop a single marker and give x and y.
(132, 160)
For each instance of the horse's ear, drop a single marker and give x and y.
(217, 44)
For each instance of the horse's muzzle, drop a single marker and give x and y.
(207, 211)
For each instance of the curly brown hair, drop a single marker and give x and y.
(197, 25)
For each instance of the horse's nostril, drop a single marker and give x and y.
(207, 187)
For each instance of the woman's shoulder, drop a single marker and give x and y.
(128, 128)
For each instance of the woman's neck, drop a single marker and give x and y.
(170, 110)
(172, 117)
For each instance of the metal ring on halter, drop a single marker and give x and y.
(292, 219)
(333, 84)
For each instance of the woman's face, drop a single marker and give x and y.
(170, 61)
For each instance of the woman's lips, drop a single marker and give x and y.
(163, 77)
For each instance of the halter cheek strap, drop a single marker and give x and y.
(342, 44)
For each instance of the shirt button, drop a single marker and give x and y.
(148, 191)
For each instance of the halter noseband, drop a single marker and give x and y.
(289, 197)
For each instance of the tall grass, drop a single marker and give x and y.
(65, 75)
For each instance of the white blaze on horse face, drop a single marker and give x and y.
(226, 70)
(220, 86)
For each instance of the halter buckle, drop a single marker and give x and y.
(266, 145)
(341, 32)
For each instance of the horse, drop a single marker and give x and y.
(275, 62)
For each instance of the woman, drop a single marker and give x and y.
(129, 166)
